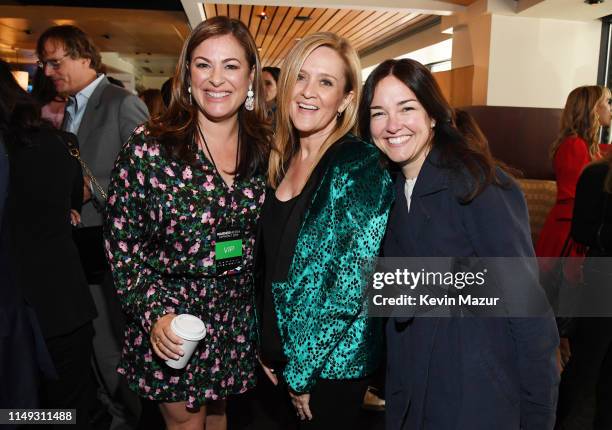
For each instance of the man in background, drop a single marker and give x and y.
(103, 117)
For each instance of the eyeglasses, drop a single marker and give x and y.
(54, 64)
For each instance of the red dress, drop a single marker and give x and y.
(570, 159)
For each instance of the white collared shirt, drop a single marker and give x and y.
(78, 103)
(408, 187)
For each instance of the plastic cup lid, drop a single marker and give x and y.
(189, 327)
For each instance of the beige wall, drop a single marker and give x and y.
(154, 82)
(536, 62)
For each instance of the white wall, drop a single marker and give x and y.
(412, 43)
(437, 52)
(536, 62)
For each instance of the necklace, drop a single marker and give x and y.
(212, 160)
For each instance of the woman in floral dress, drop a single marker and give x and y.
(182, 184)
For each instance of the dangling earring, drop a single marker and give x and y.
(249, 103)
(189, 91)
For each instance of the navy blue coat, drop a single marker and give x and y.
(471, 373)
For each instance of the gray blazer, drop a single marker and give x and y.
(111, 115)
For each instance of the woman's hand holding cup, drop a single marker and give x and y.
(164, 342)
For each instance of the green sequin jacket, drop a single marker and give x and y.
(320, 308)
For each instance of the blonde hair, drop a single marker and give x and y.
(286, 142)
(580, 117)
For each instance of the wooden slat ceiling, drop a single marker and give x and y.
(276, 35)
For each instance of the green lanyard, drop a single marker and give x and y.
(229, 242)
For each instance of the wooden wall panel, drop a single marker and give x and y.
(456, 84)
(445, 83)
(520, 136)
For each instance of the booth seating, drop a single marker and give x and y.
(540, 195)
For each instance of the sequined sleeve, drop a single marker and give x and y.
(328, 277)
(126, 233)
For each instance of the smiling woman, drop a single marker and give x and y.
(183, 207)
(400, 125)
(453, 200)
(325, 214)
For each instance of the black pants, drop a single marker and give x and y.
(585, 394)
(74, 389)
(335, 404)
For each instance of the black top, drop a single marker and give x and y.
(45, 183)
(4, 171)
(592, 218)
(274, 216)
(280, 222)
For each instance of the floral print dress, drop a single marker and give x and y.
(162, 218)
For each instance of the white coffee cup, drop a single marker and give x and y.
(192, 330)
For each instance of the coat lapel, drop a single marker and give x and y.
(407, 227)
(94, 102)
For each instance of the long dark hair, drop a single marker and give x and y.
(458, 150)
(19, 112)
(43, 89)
(176, 127)
(274, 71)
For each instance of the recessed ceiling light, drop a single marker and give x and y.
(263, 15)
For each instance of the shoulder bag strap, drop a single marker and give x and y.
(74, 151)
